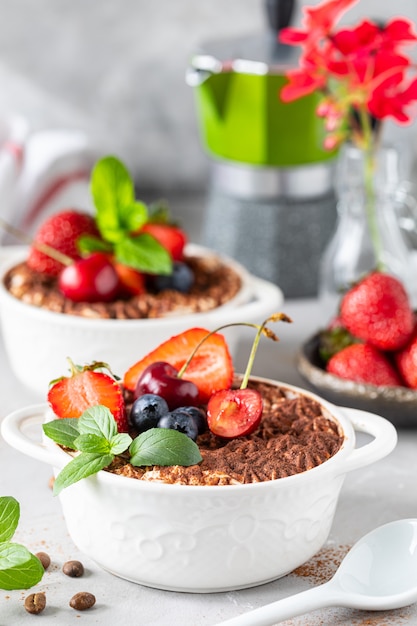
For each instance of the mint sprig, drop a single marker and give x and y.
(19, 568)
(163, 446)
(119, 218)
(94, 435)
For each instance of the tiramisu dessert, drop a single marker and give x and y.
(128, 261)
(294, 435)
(229, 429)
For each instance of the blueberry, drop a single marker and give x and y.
(180, 421)
(181, 279)
(197, 414)
(147, 410)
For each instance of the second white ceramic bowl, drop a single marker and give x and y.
(39, 341)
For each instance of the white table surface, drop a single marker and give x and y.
(380, 493)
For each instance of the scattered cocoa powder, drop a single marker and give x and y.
(321, 568)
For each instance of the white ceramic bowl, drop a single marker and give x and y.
(208, 538)
(38, 341)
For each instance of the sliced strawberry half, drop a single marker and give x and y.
(211, 368)
(71, 396)
(132, 281)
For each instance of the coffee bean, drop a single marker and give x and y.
(82, 601)
(35, 603)
(44, 559)
(75, 569)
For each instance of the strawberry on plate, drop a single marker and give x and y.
(85, 387)
(363, 363)
(61, 232)
(377, 310)
(406, 361)
(211, 368)
(170, 237)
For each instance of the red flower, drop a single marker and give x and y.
(318, 21)
(393, 98)
(301, 83)
(361, 70)
(399, 31)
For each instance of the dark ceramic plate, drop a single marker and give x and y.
(398, 404)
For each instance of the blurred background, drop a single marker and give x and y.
(115, 71)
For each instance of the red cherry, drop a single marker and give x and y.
(234, 412)
(161, 379)
(91, 279)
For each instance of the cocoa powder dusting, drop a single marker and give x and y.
(214, 284)
(294, 436)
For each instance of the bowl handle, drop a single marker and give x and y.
(384, 433)
(13, 429)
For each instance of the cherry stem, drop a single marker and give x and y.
(42, 247)
(261, 328)
(276, 317)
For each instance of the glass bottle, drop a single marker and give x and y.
(351, 253)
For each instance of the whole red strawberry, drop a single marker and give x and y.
(171, 237)
(377, 310)
(363, 363)
(60, 231)
(406, 361)
(85, 387)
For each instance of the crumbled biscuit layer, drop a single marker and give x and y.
(215, 284)
(294, 436)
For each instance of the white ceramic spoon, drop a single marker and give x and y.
(378, 573)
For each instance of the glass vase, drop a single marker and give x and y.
(368, 235)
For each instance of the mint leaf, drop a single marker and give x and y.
(87, 244)
(9, 517)
(80, 467)
(133, 216)
(93, 444)
(19, 569)
(117, 211)
(120, 443)
(163, 446)
(97, 420)
(63, 431)
(12, 554)
(144, 254)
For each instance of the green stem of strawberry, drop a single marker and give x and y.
(77, 369)
(261, 329)
(42, 247)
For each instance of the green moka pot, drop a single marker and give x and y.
(241, 115)
(271, 178)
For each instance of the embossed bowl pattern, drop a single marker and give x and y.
(208, 538)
